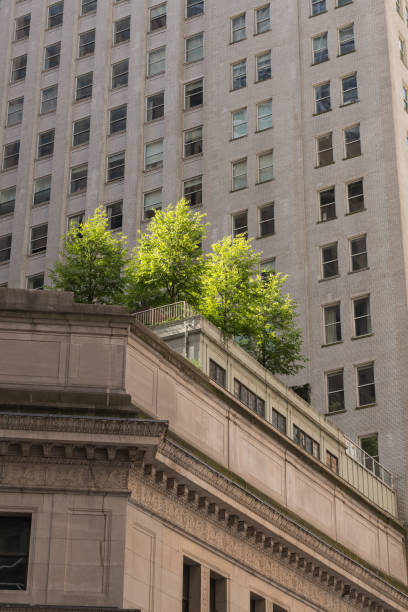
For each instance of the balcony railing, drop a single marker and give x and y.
(358, 454)
(164, 314)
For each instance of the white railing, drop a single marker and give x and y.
(163, 314)
(369, 463)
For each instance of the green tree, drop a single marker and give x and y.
(167, 265)
(91, 262)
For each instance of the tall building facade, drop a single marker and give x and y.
(288, 122)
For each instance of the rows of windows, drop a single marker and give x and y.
(365, 388)
(321, 6)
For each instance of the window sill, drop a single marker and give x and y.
(154, 76)
(110, 135)
(332, 343)
(50, 29)
(366, 406)
(322, 62)
(6, 170)
(265, 235)
(193, 62)
(4, 263)
(192, 157)
(347, 53)
(79, 147)
(43, 157)
(359, 270)
(239, 89)
(117, 180)
(265, 130)
(156, 31)
(337, 6)
(88, 99)
(238, 138)
(354, 212)
(362, 336)
(39, 205)
(334, 412)
(37, 255)
(71, 196)
(90, 13)
(322, 113)
(198, 107)
(323, 280)
(317, 14)
(154, 121)
(7, 216)
(194, 16)
(240, 189)
(112, 89)
(235, 42)
(263, 80)
(325, 165)
(16, 82)
(152, 170)
(264, 32)
(263, 182)
(50, 70)
(349, 104)
(121, 43)
(12, 125)
(50, 112)
(81, 57)
(354, 157)
(326, 220)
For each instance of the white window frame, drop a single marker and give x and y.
(161, 61)
(258, 21)
(263, 117)
(234, 30)
(235, 123)
(200, 46)
(159, 163)
(234, 176)
(260, 156)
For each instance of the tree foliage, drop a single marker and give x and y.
(91, 262)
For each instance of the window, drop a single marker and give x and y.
(238, 31)
(194, 8)
(116, 167)
(238, 72)
(75, 220)
(332, 324)
(11, 154)
(218, 374)
(358, 254)
(264, 115)
(42, 190)
(121, 30)
(403, 50)
(84, 86)
(155, 106)
(247, 397)
(154, 155)
(88, 6)
(55, 14)
(267, 268)
(324, 149)
(263, 66)
(114, 214)
(265, 167)
(15, 111)
(18, 68)
(349, 89)
(332, 462)
(343, 2)
(194, 49)
(120, 74)
(279, 421)
(157, 61)
(49, 97)
(239, 175)
(38, 242)
(262, 19)
(398, 6)
(355, 196)
(330, 263)
(5, 252)
(366, 385)
(7, 201)
(327, 204)
(152, 201)
(36, 281)
(240, 224)
(79, 179)
(193, 190)
(362, 316)
(158, 17)
(52, 56)
(46, 143)
(14, 546)
(405, 98)
(346, 39)
(306, 442)
(81, 131)
(86, 44)
(256, 603)
(118, 119)
(322, 98)
(318, 6)
(320, 49)
(193, 141)
(22, 27)
(277, 608)
(239, 123)
(369, 444)
(191, 586)
(193, 94)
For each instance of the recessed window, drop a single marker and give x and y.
(263, 66)
(322, 98)
(332, 462)
(265, 167)
(256, 603)
(279, 421)
(18, 68)
(262, 19)
(22, 27)
(240, 224)
(318, 6)
(238, 74)
(120, 74)
(86, 45)
(349, 89)
(116, 167)
(346, 39)
(75, 220)
(332, 324)
(362, 316)
(55, 14)
(324, 145)
(152, 201)
(7, 201)
(88, 6)
(194, 49)
(194, 8)
(239, 175)
(320, 49)
(121, 30)
(5, 252)
(155, 106)
(11, 154)
(330, 262)
(115, 215)
(335, 391)
(154, 155)
(267, 220)
(238, 31)
(239, 123)
(158, 17)
(369, 444)
(84, 86)
(49, 97)
(355, 196)
(366, 385)
(193, 190)
(42, 190)
(306, 442)
(193, 141)
(264, 115)
(193, 94)
(36, 282)
(403, 50)
(118, 119)
(15, 111)
(327, 204)
(249, 398)
(81, 131)
(343, 2)
(38, 242)
(14, 549)
(46, 143)
(218, 374)
(157, 61)
(358, 254)
(79, 179)
(267, 268)
(52, 56)
(191, 595)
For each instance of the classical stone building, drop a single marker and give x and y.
(131, 479)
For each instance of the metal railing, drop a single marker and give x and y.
(164, 314)
(358, 454)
